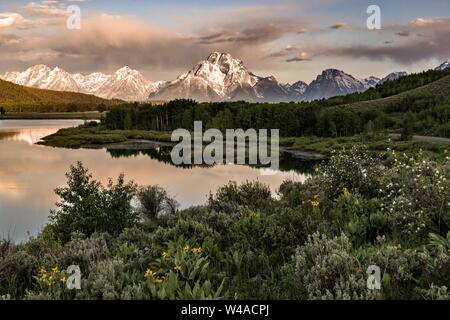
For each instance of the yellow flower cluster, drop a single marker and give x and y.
(314, 202)
(251, 214)
(50, 278)
(197, 250)
(150, 274)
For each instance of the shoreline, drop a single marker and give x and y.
(88, 115)
(309, 148)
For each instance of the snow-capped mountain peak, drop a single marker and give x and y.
(370, 82)
(393, 76)
(218, 77)
(443, 66)
(126, 84)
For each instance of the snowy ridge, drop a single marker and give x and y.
(125, 83)
(443, 66)
(393, 76)
(219, 77)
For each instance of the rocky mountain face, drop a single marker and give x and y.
(219, 77)
(125, 84)
(222, 78)
(331, 83)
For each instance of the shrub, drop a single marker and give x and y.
(233, 199)
(155, 202)
(86, 206)
(326, 269)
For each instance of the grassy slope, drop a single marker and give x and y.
(14, 96)
(440, 88)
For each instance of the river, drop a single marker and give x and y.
(29, 173)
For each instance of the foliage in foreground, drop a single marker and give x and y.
(313, 242)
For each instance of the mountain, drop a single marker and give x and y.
(393, 76)
(91, 82)
(443, 66)
(219, 77)
(331, 83)
(41, 76)
(125, 84)
(20, 98)
(370, 82)
(268, 89)
(296, 90)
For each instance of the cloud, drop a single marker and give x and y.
(403, 33)
(432, 44)
(302, 56)
(253, 31)
(339, 26)
(9, 20)
(45, 9)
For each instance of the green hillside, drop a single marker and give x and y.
(439, 89)
(16, 98)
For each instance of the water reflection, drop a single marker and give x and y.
(162, 154)
(29, 173)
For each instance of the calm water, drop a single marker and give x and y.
(29, 173)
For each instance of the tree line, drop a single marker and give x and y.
(293, 119)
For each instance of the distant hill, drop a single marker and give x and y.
(437, 89)
(15, 97)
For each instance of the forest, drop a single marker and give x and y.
(426, 115)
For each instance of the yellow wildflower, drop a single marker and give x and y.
(165, 254)
(63, 280)
(315, 203)
(186, 248)
(197, 250)
(159, 280)
(55, 269)
(149, 273)
(345, 192)
(177, 268)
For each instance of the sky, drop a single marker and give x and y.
(290, 39)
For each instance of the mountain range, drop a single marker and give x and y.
(219, 77)
(124, 84)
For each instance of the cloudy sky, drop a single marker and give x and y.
(290, 39)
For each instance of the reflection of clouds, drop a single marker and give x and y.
(29, 174)
(29, 136)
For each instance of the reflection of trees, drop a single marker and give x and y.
(162, 154)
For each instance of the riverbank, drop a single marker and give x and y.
(89, 115)
(314, 148)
